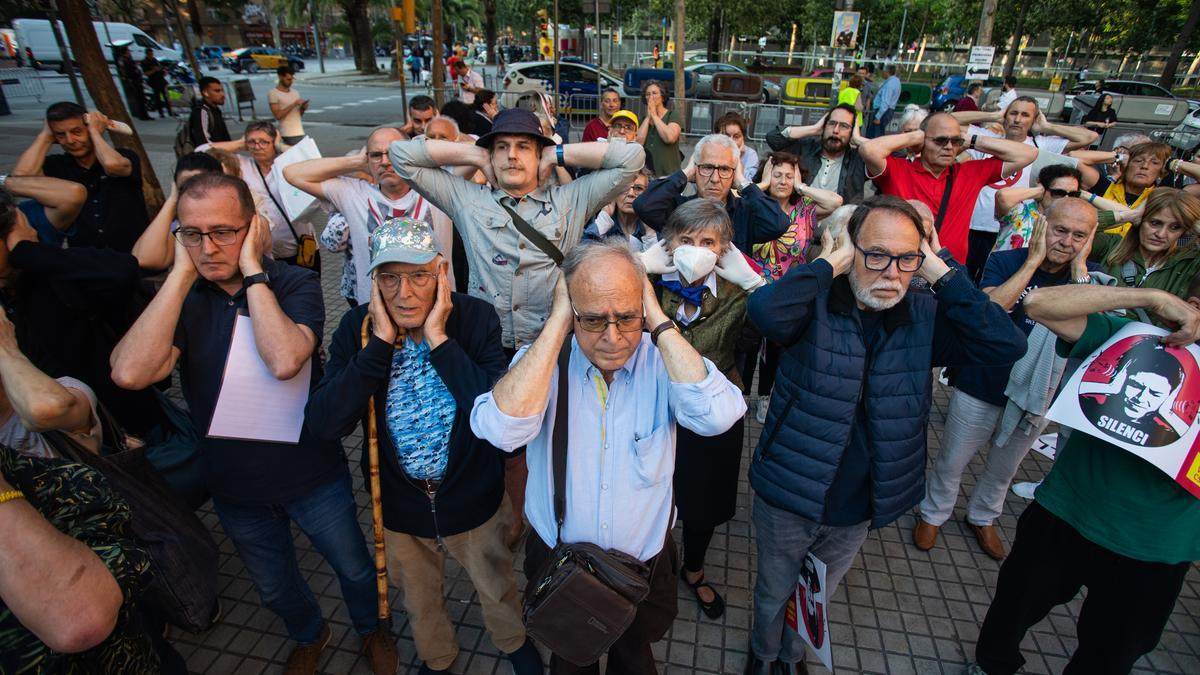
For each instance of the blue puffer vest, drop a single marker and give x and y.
(817, 389)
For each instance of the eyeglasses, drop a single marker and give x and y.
(192, 238)
(839, 125)
(599, 324)
(391, 282)
(1055, 192)
(256, 144)
(376, 156)
(707, 170)
(943, 141)
(878, 262)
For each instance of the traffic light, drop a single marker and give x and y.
(406, 15)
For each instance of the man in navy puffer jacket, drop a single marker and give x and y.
(843, 448)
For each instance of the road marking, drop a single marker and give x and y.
(332, 107)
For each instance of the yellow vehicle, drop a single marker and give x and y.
(808, 92)
(254, 59)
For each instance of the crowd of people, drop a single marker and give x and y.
(496, 277)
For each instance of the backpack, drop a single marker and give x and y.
(183, 138)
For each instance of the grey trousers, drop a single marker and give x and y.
(970, 426)
(783, 539)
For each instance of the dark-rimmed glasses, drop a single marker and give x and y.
(192, 238)
(598, 324)
(877, 261)
(707, 170)
(1059, 194)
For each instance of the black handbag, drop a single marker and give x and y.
(184, 588)
(586, 596)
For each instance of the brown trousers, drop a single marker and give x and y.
(416, 565)
(631, 653)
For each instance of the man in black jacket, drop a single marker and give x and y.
(824, 148)
(206, 123)
(716, 169)
(429, 354)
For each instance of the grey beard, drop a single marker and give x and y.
(873, 303)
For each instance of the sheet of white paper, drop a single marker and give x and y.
(253, 405)
(294, 199)
(1046, 444)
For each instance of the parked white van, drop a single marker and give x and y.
(37, 49)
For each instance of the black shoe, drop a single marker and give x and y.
(756, 666)
(426, 670)
(712, 610)
(781, 668)
(526, 660)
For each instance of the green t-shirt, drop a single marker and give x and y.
(1114, 498)
(664, 158)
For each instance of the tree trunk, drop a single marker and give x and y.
(987, 18)
(714, 35)
(362, 44)
(194, 16)
(437, 65)
(94, 68)
(1014, 45)
(489, 30)
(1167, 79)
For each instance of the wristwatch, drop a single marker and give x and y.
(558, 153)
(260, 278)
(937, 285)
(974, 137)
(660, 329)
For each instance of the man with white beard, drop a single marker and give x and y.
(843, 449)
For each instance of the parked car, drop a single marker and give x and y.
(38, 47)
(254, 59)
(954, 87)
(1125, 87)
(704, 72)
(211, 52)
(576, 82)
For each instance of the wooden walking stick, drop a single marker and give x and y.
(381, 574)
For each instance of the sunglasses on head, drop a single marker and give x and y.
(1059, 193)
(943, 141)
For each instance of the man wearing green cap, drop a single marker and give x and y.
(424, 354)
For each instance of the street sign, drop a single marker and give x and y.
(979, 64)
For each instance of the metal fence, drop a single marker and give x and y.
(22, 82)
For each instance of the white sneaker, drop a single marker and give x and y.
(1025, 489)
(760, 411)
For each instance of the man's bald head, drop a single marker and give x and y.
(943, 140)
(606, 281)
(1070, 222)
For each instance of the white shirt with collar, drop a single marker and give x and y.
(687, 317)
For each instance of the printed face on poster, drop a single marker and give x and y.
(1142, 396)
(845, 30)
(807, 611)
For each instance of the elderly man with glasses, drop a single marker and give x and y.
(716, 169)
(948, 187)
(844, 449)
(421, 355)
(630, 378)
(221, 278)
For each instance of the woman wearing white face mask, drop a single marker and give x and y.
(702, 283)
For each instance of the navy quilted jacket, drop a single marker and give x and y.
(825, 368)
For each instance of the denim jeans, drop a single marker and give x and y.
(783, 540)
(263, 537)
(970, 426)
(877, 130)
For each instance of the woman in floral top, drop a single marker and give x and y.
(783, 179)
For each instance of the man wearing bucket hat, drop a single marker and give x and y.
(512, 271)
(420, 355)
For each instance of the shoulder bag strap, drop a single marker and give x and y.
(558, 440)
(279, 206)
(937, 223)
(534, 236)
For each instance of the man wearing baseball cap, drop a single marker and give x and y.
(624, 124)
(424, 354)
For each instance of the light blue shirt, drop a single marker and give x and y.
(888, 94)
(621, 456)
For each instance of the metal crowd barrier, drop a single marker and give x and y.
(19, 82)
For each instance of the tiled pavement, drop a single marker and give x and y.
(899, 610)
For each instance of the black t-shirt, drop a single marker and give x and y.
(114, 215)
(1098, 115)
(240, 471)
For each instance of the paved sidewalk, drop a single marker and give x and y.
(898, 611)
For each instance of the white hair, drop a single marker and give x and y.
(1131, 139)
(446, 118)
(913, 113)
(719, 139)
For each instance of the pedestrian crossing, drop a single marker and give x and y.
(353, 104)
